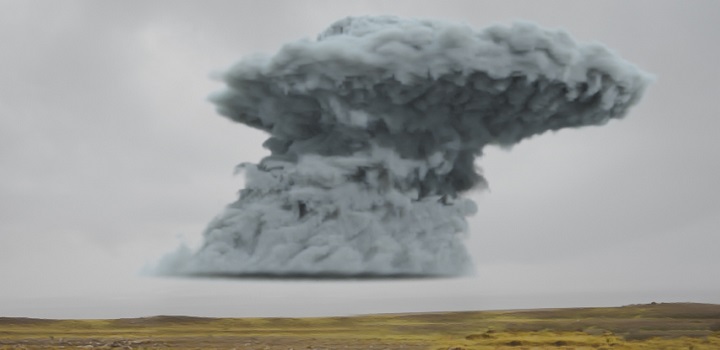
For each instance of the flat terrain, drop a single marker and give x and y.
(653, 326)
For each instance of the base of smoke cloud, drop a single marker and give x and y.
(176, 265)
(306, 219)
(313, 276)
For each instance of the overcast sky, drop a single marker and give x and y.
(110, 156)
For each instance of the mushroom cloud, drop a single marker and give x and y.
(374, 128)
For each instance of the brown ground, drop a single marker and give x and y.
(653, 326)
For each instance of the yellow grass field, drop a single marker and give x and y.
(653, 327)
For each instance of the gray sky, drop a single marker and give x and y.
(110, 156)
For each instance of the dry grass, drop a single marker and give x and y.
(656, 327)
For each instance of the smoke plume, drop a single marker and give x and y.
(374, 128)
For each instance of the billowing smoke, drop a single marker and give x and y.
(373, 133)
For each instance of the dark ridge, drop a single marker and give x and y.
(636, 311)
(23, 321)
(160, 320)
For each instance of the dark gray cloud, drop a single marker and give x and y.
(374, 129)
